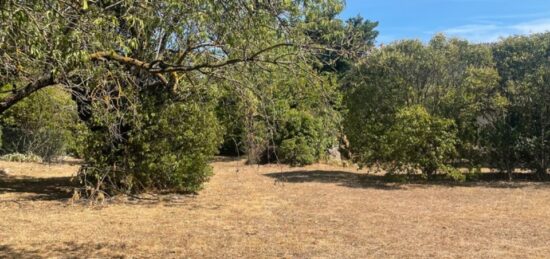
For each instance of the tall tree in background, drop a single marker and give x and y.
(263, 132)
(347, 41)
(523, 64)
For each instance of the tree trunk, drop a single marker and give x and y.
(543, 166)
(510, 173)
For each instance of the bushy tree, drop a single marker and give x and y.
(167, 145)
(445, 82)
(419, 141)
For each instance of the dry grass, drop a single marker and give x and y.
(270, 211)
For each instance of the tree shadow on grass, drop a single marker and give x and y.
(62, 188)
(65, 250)
(55, 188)
(397, 182)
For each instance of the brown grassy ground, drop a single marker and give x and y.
(270, 212)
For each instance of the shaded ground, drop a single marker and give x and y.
(271, 211)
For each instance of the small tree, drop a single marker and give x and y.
(420, 141)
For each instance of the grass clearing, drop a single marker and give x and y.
(319, 211)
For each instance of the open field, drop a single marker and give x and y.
(319, 211)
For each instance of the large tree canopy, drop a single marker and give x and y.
(161, 42)
(146, 75)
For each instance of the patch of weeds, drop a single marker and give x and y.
(18, 157)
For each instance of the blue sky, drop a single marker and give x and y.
(475, 20)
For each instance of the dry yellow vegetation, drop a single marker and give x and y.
(319, 211)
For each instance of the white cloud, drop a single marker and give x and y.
(469, 29)
(533, 26)
(538, 15)
(493, 32)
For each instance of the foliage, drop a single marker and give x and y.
(420, 141)
(299, 139)
(496, 96)
(521, 137)
(347, 41)
(447, 86)
(158, 86)
(282, 112)
(256, 119)
(45, 124)
(167, 145)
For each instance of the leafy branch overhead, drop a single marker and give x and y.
(163, 38)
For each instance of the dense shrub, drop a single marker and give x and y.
(420, 141)
(298, 140)
(166, 146)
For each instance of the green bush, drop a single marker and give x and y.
(296, 152)
(420, 141)
(299, 139)
(166, 146)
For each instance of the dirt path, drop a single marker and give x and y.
(271, 212)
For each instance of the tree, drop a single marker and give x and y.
(522, 63)
(347, 41)
(282, 108)
(447, 86)
(116, 56)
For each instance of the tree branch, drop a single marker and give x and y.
(21, 93)
(167, 68)
(111, 55)
(253, 57)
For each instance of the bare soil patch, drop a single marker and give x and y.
(272, 211)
